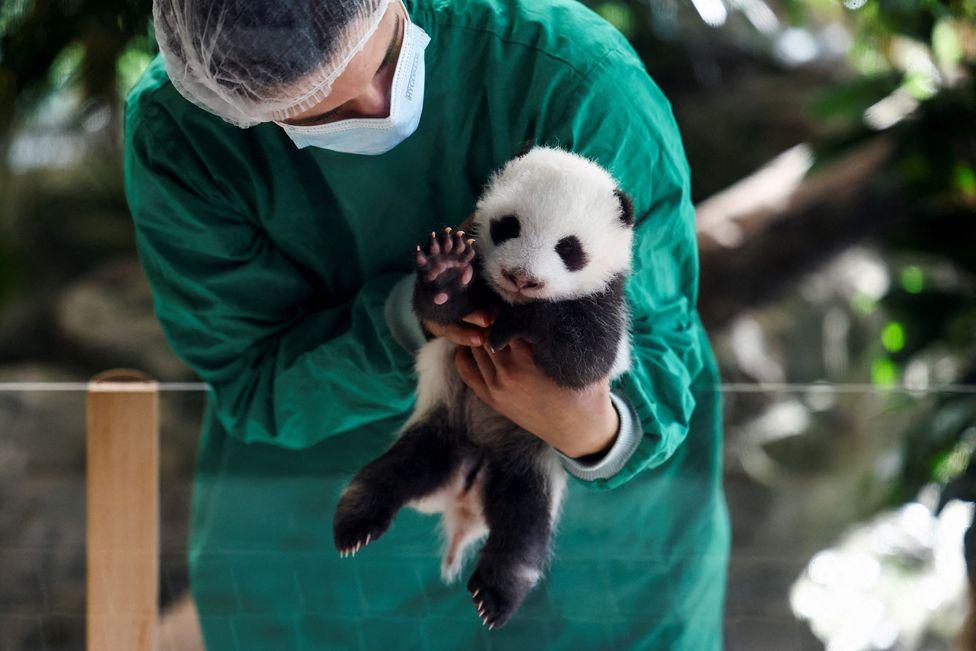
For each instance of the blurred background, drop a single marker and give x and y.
(833, 156)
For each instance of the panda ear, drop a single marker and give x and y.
(524, 148)
(626, 207)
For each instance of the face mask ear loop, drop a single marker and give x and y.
(400, 67)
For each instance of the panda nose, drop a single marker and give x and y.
(521, 279)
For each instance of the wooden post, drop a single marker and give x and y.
(123, 511)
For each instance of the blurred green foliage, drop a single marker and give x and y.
(45, 43)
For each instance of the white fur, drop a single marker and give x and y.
(557, 485)
(621, 363)
(554, 193)
(437, 380)
(529, 574)
(464, 525)
(463, 521)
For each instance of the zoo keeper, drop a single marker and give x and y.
(282, 159)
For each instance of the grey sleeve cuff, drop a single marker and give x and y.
(400, 317)
(628, 438)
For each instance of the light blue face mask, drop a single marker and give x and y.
(371, 136)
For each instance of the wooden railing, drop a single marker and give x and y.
(123, 512)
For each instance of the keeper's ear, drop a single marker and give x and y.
(626, 207)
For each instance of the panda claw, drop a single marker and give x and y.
(443, 252)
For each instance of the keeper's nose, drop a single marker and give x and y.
(522, 280)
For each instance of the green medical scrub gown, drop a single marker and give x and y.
(270, 268)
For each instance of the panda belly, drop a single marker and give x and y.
(460, 499)
(460, 502)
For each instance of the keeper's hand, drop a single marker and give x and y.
(474, 334)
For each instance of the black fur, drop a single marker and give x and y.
(574, 341)
(517, 508)
(571, 252)
(626, 207)
(463, 298)
(418, 463)
(516, 501)
(506, 228)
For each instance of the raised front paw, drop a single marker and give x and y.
(444, 263)
(498, 591)
(361, 517)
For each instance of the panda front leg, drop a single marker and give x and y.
(445, 292)
(520, 502)
(421, 460)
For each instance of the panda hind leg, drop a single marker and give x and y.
(420, 462)
(520, 503)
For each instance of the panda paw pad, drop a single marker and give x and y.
(440, 255)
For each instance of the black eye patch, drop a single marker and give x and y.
(506, 228)
(571, 251)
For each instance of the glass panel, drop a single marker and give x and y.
(836, 522)
(839, 536)
(42, 516)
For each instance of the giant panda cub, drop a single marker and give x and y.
(551, 249)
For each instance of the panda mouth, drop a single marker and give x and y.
(514, 294)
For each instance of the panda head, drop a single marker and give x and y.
(553, 225)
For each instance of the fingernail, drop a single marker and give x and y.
(475, 341)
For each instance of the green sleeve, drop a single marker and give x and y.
(288, 364)
(619, 118)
